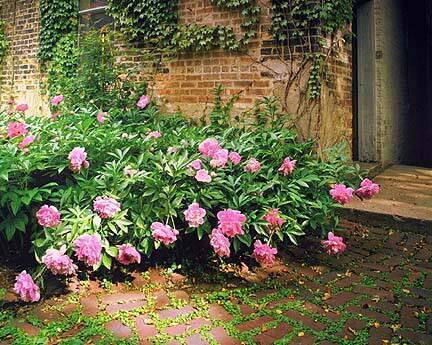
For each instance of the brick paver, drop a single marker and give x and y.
(378, 291)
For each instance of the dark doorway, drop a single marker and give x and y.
(419, 69)
(393, 82)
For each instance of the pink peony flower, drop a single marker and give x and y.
(22, 107)
(341, 194)
(220, 158)
(252, 165)
(273, 218)
(367, 189)
(154, 134)
(263, 253)
(26, 288)
(334, 244)
(56, 100)
(230, 222)
(196, 164)
(209, 147)
(164, 233)
(26, 142)
(143, 102)
(234, 157)
(220, 243)
(58, 262)
(48, 216)
(89, 249)
(287, 166)
(106, 207)
(195, 215)
(16, 129)
(78, 160)
(128, 255)
(101, 117)
(203, 176)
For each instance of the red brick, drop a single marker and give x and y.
(309, 322)
(272, 334)
(118, 329)
(144, 329)
(248, 325)
(222, 337)
(305, 340)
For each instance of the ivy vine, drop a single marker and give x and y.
(302, 25)
(156, 22)
(58, 18)
(4, 43)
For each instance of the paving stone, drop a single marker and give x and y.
(330, 276)
(279, 303)
(248, 325)
(428, 282)
(181, 295)
(122, 297)
(114, 308)
(144, 329)
(429, 325)
(138, 281)
(177, 278)
(423, 254)
(161, 299)
(416, 302)
(309, 322)
(196, 339)
(368, 313)
(318, 310)
(386, 295)
(218, 312)
(424, 293)
(340, 299)
(351, 325)
(408, 318)
(26, 327)
(273, 334)
(398, 274)
(45, 314)
(416, 337)
(380, 305)
(380, 336)
(348, 281)
(183, 328)
(222, 337)
(246, 310)
(90, 306)
(305, 340)
(173, 313)
(156, 277)
(118, 329)
(393, 261)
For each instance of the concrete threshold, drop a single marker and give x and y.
(405, 201)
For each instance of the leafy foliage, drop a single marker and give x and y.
(4, 43)
(162, 185)
(156, 23)
(87, 74)
(58, 18)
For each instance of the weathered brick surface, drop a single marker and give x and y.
(187, 82)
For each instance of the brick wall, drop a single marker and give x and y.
(186, 83)
(21, 75)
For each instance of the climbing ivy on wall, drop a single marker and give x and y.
(58, 18)
(4, 43)
(154, 21)
(301, 25)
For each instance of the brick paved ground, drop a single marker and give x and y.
(379, 292)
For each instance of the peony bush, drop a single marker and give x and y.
(96, 188)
